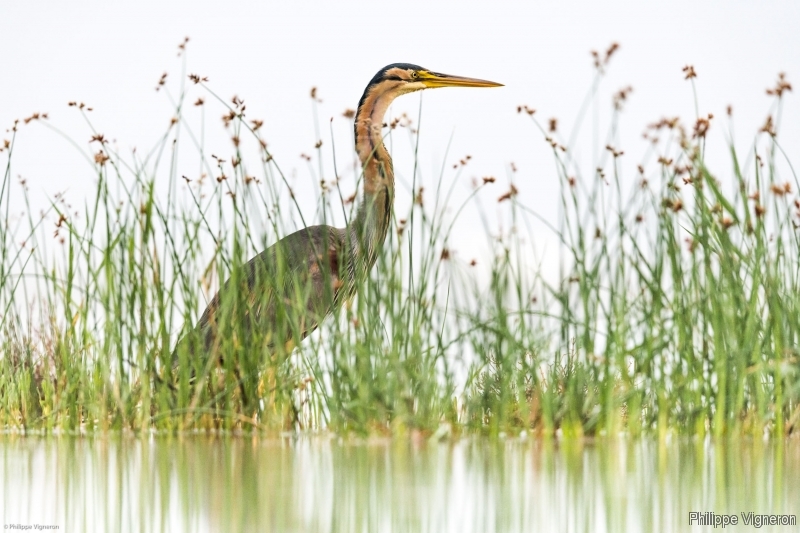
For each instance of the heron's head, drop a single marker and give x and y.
(400, 78)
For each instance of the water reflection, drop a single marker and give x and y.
(324, 485)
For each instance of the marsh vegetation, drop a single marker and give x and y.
(677, 309)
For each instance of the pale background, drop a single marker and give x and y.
(111, 55)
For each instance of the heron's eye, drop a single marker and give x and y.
(414, 75)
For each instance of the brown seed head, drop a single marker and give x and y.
(621, 96)
(701, 127)
(100, 158)
(780, 190)
(595, 59)
(228, 117)
(510, 194)
(161, 81)
(768, 127)
(610, 52)
(781, 86)
(34, 116)
(669, 123)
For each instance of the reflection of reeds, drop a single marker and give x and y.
(678, 307)
(228, 483)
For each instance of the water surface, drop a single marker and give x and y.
(323, 484)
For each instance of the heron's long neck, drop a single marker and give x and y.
(374, 213)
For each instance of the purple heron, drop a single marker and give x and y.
(282, 294)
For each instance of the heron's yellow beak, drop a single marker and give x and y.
(433, 80)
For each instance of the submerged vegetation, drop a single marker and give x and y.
(678, 309)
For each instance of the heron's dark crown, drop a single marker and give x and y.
(382, 75)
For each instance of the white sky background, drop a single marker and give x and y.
(111, 55)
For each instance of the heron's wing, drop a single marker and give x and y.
(303, 271)
(284, 292)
